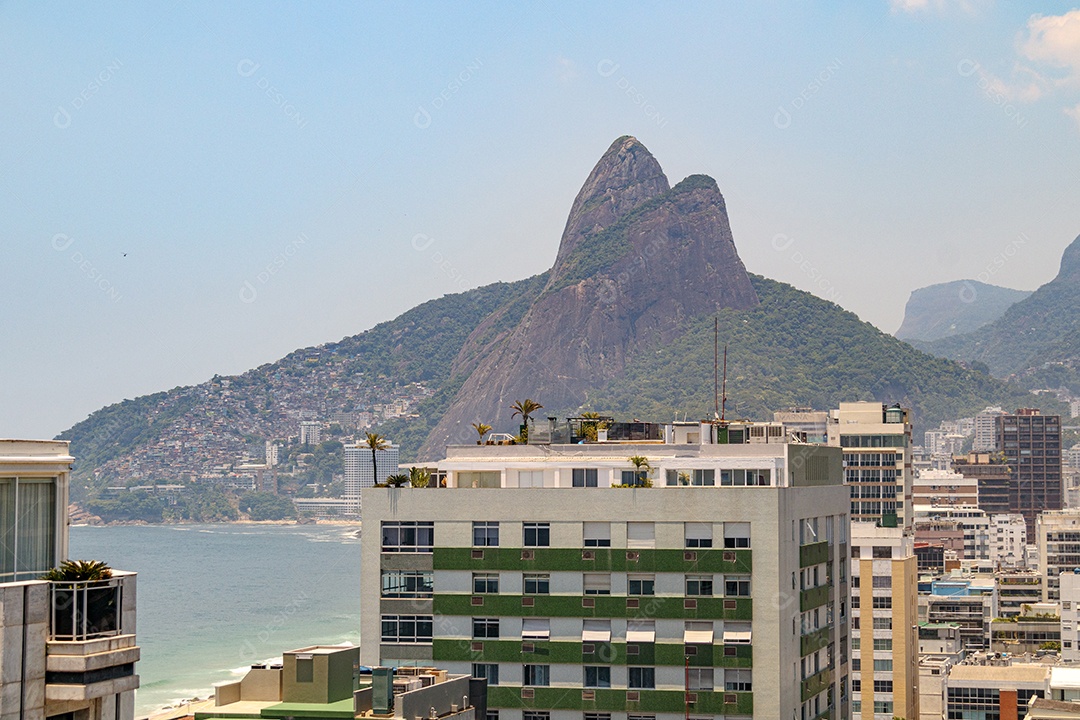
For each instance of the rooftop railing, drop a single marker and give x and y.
(85, 610)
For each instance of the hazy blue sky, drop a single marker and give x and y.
(194, 188)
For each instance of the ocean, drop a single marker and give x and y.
(213, 599)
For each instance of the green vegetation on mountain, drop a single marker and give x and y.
(1036, 341)
(954, 308)
(796, 349)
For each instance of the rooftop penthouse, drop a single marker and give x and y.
(680, 454)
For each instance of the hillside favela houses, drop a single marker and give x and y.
(67, 645)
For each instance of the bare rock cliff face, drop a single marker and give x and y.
(637, 260)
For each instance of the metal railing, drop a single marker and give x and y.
(85, 610)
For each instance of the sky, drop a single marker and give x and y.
(198, 188)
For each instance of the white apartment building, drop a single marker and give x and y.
(360, 473)
(986, 429)
(944, 487)
(67, 649)
(1057, 536)
(310, 432)
(1069, 589)
(972, 522)
(1008, 541)
(712, 581)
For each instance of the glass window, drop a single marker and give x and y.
(485, 583)
(27, 527)
(597, 583)
(401, 537)
(700, 679)
(597, 534)
(584, 477)
(536, 534)
(597, 676)
(485, 627)
(736, 535)
(737, 586)
(536, 715)
(640, 585)
(537, 675)
(535, 629)
(406, 628)
(882, 644)
(698, 535)
(485, 534)
(530, 478)
(641, 678)
(407, 583)
(738, 680)
(536, 583)
(488, 671)
(701, 585)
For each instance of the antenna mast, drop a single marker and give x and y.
(715, 371)
(723, 406)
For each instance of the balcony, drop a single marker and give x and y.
(90, 646)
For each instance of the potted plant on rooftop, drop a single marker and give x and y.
(84, 603)
(481, 429)
(525, 408)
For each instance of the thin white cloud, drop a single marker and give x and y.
(917, 6)
(1054, 41)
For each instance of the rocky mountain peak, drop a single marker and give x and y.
(626, 176)
(1070, 261)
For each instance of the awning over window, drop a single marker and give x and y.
(641, 632)
(596, 631)
(535, 629)
(736, 636)
(698, 637)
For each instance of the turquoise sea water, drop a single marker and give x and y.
(212, 599)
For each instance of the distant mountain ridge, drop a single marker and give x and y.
(1036, 340)
(621, 323)
(954, 308)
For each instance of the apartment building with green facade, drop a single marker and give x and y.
(711, 584)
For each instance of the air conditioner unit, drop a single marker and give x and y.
(729, 556)
(631, 603)
(690, 650)
(731, 604)
(528, 602)
(528, 555)
(588, 649)
(588, 694)
(527, 693)
(691, 698)
(689, 604)
(633, 556)
(528, 647)
(633, 650)
(588, 555)
(730, 651)
(588, 603)
(730, 699)
(478, 647)
(477, 600)
(689, 556)
(633, 696)
(477, 554)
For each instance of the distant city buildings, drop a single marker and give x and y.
(310, 432)
(359, 472)
(986, 429)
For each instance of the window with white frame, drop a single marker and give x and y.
(584, 477)
(530, 478)
(596, 583)
(641, 584)
(700, 679)
(536, 534)
(597, 534)
(640, 535)
(408, 537)
(698, 534)
(485, 534)
(736, 535)
(536, 583)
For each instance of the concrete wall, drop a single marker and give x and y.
(24, 627)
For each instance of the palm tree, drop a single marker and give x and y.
(419, 477)
(481, 430)
(641, 467)
(79, 571)
(397, 480)
(589, 429)
(374, 441)
(525, 408)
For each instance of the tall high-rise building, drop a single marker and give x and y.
(986, 429)
(67, 649)
(710, 580)
(876, 444)
(876, 441)
(993, 478)
(271, 453)
(359, 472)
(1031, 443)
(310, 432)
